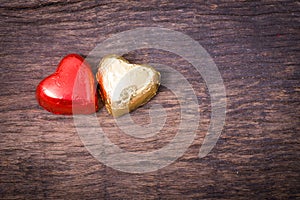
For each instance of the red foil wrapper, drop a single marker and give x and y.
(70, 90)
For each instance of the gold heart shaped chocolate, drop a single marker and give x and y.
(125, 86)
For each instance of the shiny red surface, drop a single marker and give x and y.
(69, 90)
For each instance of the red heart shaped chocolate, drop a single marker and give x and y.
(71, 89)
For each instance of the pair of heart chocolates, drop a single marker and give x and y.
(122, 86)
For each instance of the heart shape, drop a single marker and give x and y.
(70, 90)
(125, 86)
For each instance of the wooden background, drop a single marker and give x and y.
(255, 45)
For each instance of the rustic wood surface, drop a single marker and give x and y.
(255, 45)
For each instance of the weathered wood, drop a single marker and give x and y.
(256, 48)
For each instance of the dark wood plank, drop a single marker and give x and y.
(255, 45)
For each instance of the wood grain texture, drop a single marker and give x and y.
(255, 45)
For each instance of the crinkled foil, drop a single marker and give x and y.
(111, 70)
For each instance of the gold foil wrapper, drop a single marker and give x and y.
(125, 86)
